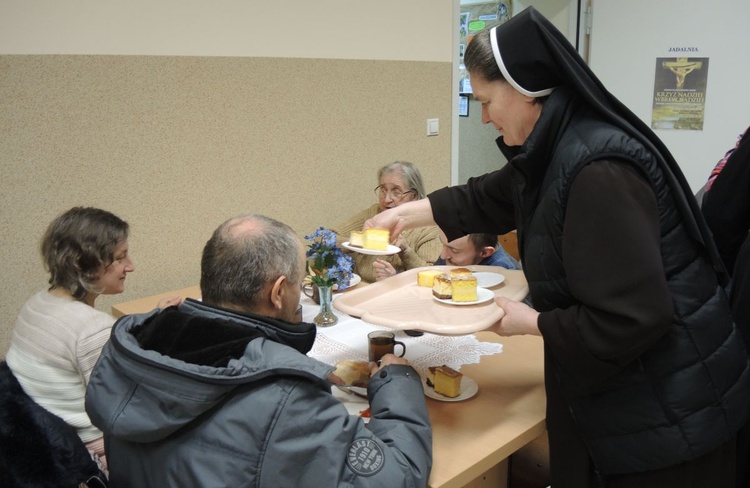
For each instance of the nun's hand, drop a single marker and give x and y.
(519, 319)
(387, 219)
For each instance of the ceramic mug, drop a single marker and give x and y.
(311, 291)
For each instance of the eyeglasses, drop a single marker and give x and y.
(396, 194)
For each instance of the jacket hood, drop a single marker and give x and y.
(163, 369)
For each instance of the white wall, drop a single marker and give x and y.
(628, 36)
(417, 30)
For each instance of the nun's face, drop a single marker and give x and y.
(513, 114)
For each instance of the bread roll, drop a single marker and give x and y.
(353, 373)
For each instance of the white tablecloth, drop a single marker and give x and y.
(348, 340)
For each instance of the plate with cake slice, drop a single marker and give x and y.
(389, 249)
(405, 301)
(371, 241)
(483, 295)
(445, 384)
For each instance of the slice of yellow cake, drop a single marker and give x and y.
(427, 277)
(357, 239)
(431, 376)
(376, 239)
(457, 273)
(447, 381)
(441, 287)
(465, 289)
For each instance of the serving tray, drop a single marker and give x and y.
(399, 303)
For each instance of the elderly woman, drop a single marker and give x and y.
(647, 378)
(398, 182)
(59, 334)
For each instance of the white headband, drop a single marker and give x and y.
(504, 70)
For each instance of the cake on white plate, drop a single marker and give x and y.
(444, 380)
(457, 273)
(357, 239)
(427, 277)
(465, 288)
(442, 287)
(376, 239)
(448, 381)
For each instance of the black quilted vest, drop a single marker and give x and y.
(690, 392)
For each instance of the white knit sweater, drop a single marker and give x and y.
(54, 346)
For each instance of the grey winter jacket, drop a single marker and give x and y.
(221, 399)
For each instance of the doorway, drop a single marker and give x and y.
(474, 149)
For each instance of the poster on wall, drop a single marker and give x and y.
(679, 93)
(474, 18)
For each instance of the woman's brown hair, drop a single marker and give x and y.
(78, 244)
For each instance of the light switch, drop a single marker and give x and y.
(433, 127)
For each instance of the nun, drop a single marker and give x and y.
(647, 377)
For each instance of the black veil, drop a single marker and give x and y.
(535, 57)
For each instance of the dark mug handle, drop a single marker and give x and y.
(314, 292)
(305, 289)
(403, 348)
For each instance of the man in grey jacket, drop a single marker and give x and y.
(221, 393)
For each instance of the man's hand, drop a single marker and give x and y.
(169, 302)
(385, 361)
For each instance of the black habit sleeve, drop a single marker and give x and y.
(483, 205)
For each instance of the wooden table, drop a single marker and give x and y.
(476, 436)
(142, 305)
(471, 437)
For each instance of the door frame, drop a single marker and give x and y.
(576, 35)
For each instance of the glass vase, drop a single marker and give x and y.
(325, 317)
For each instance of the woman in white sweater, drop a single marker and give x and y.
(58, 334)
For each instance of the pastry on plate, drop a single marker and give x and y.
(447, 381)
(431, 376)
(353, 373)
(427, 277)
(465, 288)
(458, 273)
(376, 239)
(357, 239)
(442, 287)
(444, 380)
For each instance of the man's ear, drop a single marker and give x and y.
(487, 251)
(277, 292)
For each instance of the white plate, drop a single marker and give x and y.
(391, 249)
(469, 388)
(353, 404)
(353, 281)
(483, 295)
(488, 280)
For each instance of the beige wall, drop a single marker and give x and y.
(175, 143)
